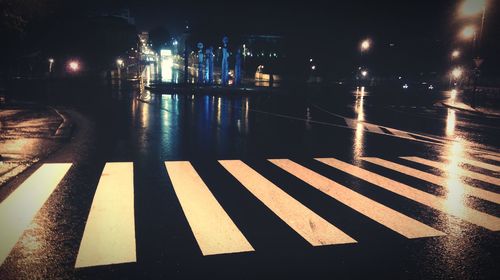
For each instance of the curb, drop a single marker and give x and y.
(216, 91)
(65, 129)
(469, 110)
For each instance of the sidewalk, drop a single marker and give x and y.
(29, 133)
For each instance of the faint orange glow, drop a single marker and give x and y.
(453, 95)
(457, 72)
(468, 32)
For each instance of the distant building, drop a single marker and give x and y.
(264, 46)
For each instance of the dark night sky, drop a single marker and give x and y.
(423, 33)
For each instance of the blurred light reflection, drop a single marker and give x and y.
(360, 116)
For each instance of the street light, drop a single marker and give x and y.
(472, 7)
(455, 54)
(119, 64)
(51, 62)
(365, 45)
(364, 73)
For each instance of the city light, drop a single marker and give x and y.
(365, 45)
(455, 54)
(313, 67)
(165, 53)
(119, 62)
(364, 73)
(457, 73)
(73, 66)
(468, 32)
(472, 7)
(51, 60)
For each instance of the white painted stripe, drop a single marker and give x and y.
(440, 181)
(459, 171)
(468, 214)
(351, 123)
(374, 128)
(382, 214)
(490, 157)
(19, 208)
(398, 132)
(316, 230)
(479, 164)
(109, 236)
(212, 227)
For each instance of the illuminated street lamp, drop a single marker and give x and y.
(365, 45)
(119, 65)
(455, 54)
(364, 73)
(51, 62)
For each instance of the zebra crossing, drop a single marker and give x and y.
(109, 236)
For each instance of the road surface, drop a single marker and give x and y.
(300, 184)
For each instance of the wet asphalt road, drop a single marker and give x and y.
(122, 123)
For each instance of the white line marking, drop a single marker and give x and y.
(212, 227)
(374, 128)
(109, 236)
(440, 181)
(479, 164)
(316, 230)
(490, 157)
(459, 171)
(399, 133)
(351, 123)
(382, 214)
(468, 214)
(19, 208)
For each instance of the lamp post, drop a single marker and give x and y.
(119, 64)
(364, 47)
(471, 8)
(51, 62)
